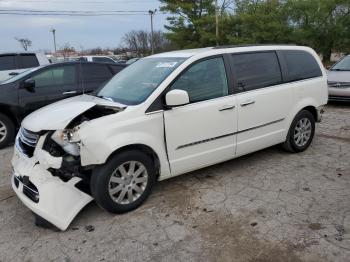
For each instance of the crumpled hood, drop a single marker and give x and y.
(338, 76)
(58, 115)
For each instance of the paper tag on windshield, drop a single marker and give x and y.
(166, 64)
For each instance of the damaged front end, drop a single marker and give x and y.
(47, 173)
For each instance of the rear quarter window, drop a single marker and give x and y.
(300, 65)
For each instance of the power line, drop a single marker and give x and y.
(83, 2)
(27, 12)
(71, 11)
(67, 14)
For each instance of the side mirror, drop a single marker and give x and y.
(29, 84)
(176, 97)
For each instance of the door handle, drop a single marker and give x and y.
(69, 92)
(226, 107)
(248, 102)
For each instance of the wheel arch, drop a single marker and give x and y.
(143, 148)
(6, 111)
(312, 110)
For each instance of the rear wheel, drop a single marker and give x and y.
(301, 132)
(124, 182)
(7, 131)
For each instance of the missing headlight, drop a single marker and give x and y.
(65, 138)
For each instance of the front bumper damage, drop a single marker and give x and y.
(46, 195)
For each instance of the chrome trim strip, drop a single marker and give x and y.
(230, 134)
(263, 125)
(204, 141)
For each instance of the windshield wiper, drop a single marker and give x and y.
(105, 97)
(340, 69)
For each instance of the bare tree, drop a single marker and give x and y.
(140, 42)
(96, 51)
(66, 50)
(161, 43)
(24, 42)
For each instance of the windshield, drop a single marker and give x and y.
(135, 83)
(20, 75)
(342, 65)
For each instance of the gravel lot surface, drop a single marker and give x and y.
(267, 206)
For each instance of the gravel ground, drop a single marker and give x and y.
(267, 206)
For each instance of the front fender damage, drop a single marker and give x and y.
(58, 201)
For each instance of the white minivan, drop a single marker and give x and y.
(163, 116)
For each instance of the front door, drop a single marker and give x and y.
(203, 132)
(51, 84)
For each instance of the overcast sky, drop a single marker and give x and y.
(80, 32)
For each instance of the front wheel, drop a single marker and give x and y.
(301, 132)
(124, 182)
(7, 131)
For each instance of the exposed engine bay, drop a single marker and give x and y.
(47, 173)
(61, 144)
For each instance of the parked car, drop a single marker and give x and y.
(339, 80)
(35, 88)
(12, 64)
(166, 115)
(102, 59)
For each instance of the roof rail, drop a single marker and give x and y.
(249, 45)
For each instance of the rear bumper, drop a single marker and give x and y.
(339, 98)
(47, 196)
(336, 94)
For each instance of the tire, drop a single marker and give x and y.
(301, 132)
(7, 131)
(108, 194)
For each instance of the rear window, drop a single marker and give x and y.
(300, 65)
(256, 70)
(28, 61)
(7, 62)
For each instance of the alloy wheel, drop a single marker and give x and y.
(3, 131)
(128, 182)
(302, 132)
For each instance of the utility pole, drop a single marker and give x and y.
(152, 13)
(217, 22)
(53, 31)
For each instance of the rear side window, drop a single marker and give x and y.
(7, 62)
(28, 61)
(300, 65)
(256, 70)
(95, 73)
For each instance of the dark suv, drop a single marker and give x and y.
(35, 88)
